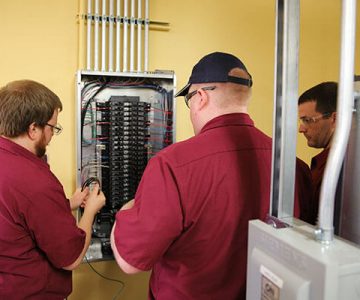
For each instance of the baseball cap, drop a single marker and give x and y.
(215, 67)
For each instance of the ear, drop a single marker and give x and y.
(204, 100)
(33, 131)
(333, 116)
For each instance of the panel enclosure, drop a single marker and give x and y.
(288, 263)
(123, 119)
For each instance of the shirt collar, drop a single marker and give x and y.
(228, 120)
(16, 149)
(320, 159)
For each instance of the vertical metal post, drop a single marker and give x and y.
(285, 108)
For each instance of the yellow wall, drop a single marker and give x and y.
(40, 42)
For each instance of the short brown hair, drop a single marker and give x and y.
(24, 102)
(324, 94)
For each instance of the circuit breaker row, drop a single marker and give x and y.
(128, 132)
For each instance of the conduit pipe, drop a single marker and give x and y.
(125, 43)
(96, 37)
(103, 36)
(146, 41)
(345, 102)
(88, 40)
(139, 23)
(132, 32)
(109, 18)
(111, 35)
(118, 22)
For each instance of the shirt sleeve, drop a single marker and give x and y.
(143, 233)
(52, 226)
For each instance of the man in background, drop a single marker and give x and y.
(40, 242)
(317, 117)
(189, 220)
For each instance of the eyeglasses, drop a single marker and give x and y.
(188, 96)
(55, 128)
(306, 121)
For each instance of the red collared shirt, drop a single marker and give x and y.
(189, 223)
(38, 233)
(318, 164)
(190, 219)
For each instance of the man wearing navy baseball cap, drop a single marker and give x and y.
(216, 67)
(188, 222)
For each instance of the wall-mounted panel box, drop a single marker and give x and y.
(123, 119)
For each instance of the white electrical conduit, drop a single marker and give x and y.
(125, 43)
(96, 38)
(325, 232)
(146, 42)
(139, 37)
(118, 22)
(132, 32)
(88, 41)
(93, 35)
(103, 37)
(111, 35)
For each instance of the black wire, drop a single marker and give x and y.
(89, 181)
(122, 284)
(84, 109)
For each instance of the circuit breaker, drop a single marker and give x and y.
(123, 119)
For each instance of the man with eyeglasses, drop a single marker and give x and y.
(317, 116)
(189, 221)
(40, 242)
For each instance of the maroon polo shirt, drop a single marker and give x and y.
(189, 223)
(318, 164)
(303, 207)
(38, 233)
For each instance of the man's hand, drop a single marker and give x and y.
(95, 201)
(79, 198)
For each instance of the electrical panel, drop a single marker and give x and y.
(289, 264)
(123, 119)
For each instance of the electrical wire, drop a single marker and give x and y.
(85, 107)
(122, 284)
